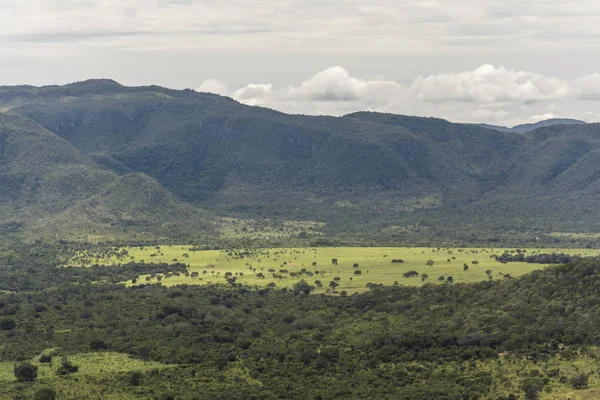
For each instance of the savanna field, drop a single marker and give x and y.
(352, 268)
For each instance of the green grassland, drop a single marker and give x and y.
(95, 371)
(375, 265)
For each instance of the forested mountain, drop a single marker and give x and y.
(50, 188)
(364, 172)
(524, 128)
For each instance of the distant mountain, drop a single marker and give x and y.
(200, 155)
(524, 128)
(44, 178)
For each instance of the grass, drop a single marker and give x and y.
(101, 376)
(88, 363)
(375, 265)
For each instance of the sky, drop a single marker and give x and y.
(501, 62)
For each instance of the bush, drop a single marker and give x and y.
(25, 372)
(67, 367)
(45, 394)
(7, 324)
(45, 359)
(579, 381)
(135, 378)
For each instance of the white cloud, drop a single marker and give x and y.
(213, 86)
(336, 84)
(542, 117)
(331, 91)
(484, 94)
(488, 85)
(254, 94)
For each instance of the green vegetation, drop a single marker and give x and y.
(120, 165)
(533, 336)
(285, 267)
(162, 244)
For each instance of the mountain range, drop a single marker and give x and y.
(95, 160)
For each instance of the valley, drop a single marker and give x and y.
(352, 269)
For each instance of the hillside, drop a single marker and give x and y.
(362, 174)
(524, 128)
(46, 180)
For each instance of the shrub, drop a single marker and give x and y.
(45, 359)
(7, 324)
(67, 367)
(579, 381)
(25, 372)
(135, 378)
(45, 394)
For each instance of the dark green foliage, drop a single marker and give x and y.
(537, 258)
(25, 372)
(7, 324)
(45, 394)
(45, 359)
(66, 367)
(579, 381)
(135, 378)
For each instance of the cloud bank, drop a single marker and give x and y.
(487, 93)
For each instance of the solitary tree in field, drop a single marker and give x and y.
(465, 267)
(333, 261)
(424, 276)
(430, 263)
(450, 279)
(488, 272)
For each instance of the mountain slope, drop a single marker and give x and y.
(364, 172)
(43, 177)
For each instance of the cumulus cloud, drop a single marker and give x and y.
(254, 94)
(487, 94)
(213, 86)
(488, 85)
(336, 84)
(331, 91)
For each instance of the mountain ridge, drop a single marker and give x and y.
(364, 171)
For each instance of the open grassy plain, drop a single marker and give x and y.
(96, 370)
(354, 266)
